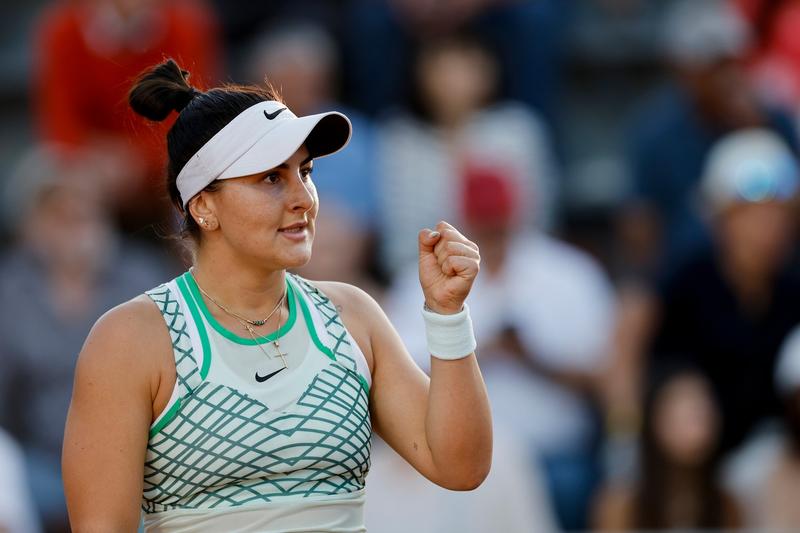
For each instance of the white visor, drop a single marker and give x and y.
(260, 138)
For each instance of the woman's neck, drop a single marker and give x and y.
(247, 290)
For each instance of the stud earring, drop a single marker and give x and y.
(201, 220)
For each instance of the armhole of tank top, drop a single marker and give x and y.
(169, 411)
(315, 323)
(198, 347)
(361, 361)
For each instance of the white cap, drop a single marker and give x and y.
(260, 138)
(700, 32)
(787, 371)
(752, 165)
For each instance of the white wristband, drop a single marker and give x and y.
(449, 336)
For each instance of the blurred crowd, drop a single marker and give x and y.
(629, 169)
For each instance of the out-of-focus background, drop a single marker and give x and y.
(628, 167)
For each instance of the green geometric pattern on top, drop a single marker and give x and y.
(186, 367)
(337, 334)
(224, 448)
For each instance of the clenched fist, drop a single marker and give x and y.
(448, 264)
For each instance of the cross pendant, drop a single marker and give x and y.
(280, 354)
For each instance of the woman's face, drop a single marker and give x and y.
(686, 420)
(455, 81)
(268, 218)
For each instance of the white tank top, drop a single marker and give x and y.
(243, 446)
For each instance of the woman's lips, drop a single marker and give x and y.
(295, 232)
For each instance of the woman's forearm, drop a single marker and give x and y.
(458, 424)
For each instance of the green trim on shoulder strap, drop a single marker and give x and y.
(313, 332)
(311, 329)
(201, 329)
(187, 369)
(225, 332)
(166, 418)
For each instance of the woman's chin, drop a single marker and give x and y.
(280, 258)
(298, 259)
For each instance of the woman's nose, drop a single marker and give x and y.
(303, 197)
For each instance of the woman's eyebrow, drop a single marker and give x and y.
(308, 159)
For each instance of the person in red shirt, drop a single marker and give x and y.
(87, 52)
(775, 58)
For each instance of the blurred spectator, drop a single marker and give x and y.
(705, 42)
(301, 60)
(729, 307)
(243, 21)
(67, 267)
(775, 60)
(543, 314)
(783, 485)
(678, 486)
(511, 499)
(528, 36)
(16, 506)
(455, 130)
(87, 54)
(767, 472)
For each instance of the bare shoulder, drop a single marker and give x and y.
(356, 307)
(130, 338)
(346, 296)
(137, 319)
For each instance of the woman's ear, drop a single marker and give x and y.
(201, 209)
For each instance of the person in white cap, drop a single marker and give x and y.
(238, 397)
(729, 307)
(707, 96)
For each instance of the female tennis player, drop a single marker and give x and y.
(239, 397)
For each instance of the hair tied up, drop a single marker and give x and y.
(160, 90)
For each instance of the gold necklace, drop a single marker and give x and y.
(248, 325)
(275, 343)
(238, 316)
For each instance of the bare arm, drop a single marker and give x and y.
(117, 380)
(442, 425)
(638, 319)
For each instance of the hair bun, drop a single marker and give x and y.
(160, 90)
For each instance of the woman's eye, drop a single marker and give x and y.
(272, 178)
(306, 172)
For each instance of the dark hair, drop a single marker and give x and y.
(650, 509)
(164, 88)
